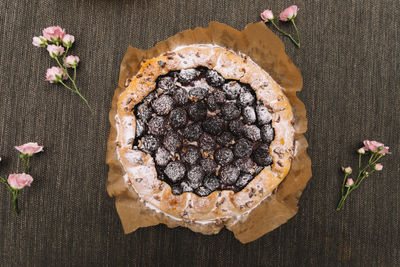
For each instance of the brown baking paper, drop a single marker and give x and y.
(267, 50)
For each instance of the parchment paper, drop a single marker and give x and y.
(267, 50)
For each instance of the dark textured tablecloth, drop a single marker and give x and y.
(350, 63)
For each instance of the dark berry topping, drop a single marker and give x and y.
(186, 187)
(214, 125)
(246, 99)
(212, 182)
(261, 155)
(198, 93)
(224, 156)
(197, 111)
(208, 165)
(214, 79)
(195, 176)
(230, 111)
(263, 115)
(219, 96)
(207, 142)
(172, 141)
(229, 174)
(143, 112)
(193, 132)
(150, 97)
(149, 143)
(244, 179)
(267, 133)
(175, 171)
(232, 90)
(166, 84)
(249, 115)
(252, 132)
(236, 127)
(162, 105)
(176, 190)
(156, 125)
(186, 76)
(225, 139)
(191, 154)
(203, 191)
(178, 117)
(140, 128)
(163, 156)
(180, 96)
(242, 148)
(245, 165)
(212, 104)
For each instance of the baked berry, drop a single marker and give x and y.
(230, 111)
(243, 180)
(211, 182)
(219, 95)
(140, 128)
(195, 176)
(191, 154)
(209, 166)
(160, 174)
(175, 171)
(180, 96)
(212, 104)
(176, 189)
(225, 139)
(214, 125)
(263, 115)
(236, 127)
(186, 187)
(213, 78)
(163, 156)
(207, 142)
(261, 155)
(246, 98)
(172, 141)
(197, 111)
(149, 143)
(150, 97)
(202, 191)
(232, 90)
(242, 148)
(229, 174)
(267, 133)
(166, 84)
(252, 132)
(245, 165)
(198, 93)
(143, 112)
(178, 117)
(157, 125)
(186, 76)
(162, 105)
(193, 132)
(249, 115)
(224, 156)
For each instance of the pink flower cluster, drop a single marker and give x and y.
(286, 15)
(375, 147)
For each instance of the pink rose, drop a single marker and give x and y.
(39, 41)
(374, 146)
(55, 74)
(71, 61)
(19, 180)
(267, 15)
(349, 182)
(289, 13)
(347, 170)
(54, 33)
(55, 50)
(68, 40)
(29, 148)
(378, 167)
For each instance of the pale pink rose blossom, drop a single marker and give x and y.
(348, 170)
(29, 148)
(374, 146)
(55, 50)
(378, 167)
(349, 182)
(19, 180)
(54, 33)
(39, 41)
(361, 151)
(55, 74)
(289, 13)
(68, 40)
(71, 61)
(267, 15)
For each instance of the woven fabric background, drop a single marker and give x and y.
(350, 63)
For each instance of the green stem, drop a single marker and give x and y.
(15, 201)
(26, 164)
(341, 202)
(285, 33)
(65, 54)
(344, 182)
(359, 161)
(74, 72)
(297, 31)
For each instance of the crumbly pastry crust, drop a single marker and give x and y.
(139, 167)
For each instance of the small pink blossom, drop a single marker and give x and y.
(68, 40)
(375, 146)
(55, 50)
(347, 170)
(289, 13)
(378, 167)
(71, 61)
(29, 148)
(55, 74)
(361, 151)
(349, 182)
(267, 15)
(19, 180)
(54, 33)
(39, 41)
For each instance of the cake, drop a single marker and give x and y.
(204, 134)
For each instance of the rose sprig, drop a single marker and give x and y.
(286, 15)
(15, 182)
(58, 43)
(376, 152)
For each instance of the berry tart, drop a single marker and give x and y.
(204, 134)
